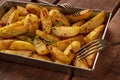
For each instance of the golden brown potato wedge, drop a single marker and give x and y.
(94, 34)
(46, 36)
(22, 11)
(40, 47)
(34, 9)
(81, 64)
(21, 18)
(45, 20)
(5, 18)
(65, 31)
(58, 19)
(79, 23)
(90, 59)
(84, 14)
(62, 45)
(39, 57)
(32, 22)
(93, 23)
(13, 17)
(57, 53)
(4, 44)
(15, 52)
(22, 45)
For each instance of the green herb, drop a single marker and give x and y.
(38, 39)
(59, 23)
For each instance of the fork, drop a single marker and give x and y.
(94, 46)
(70, 9)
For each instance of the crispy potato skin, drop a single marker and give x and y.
(58, 19)
(93, 23)
(22, 45)
(83, 15)
(65, 31)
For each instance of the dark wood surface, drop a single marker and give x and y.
(107, 67)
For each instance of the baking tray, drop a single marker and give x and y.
(7, 4)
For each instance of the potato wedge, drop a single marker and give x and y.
(79, 23)
(34, 9)
(84, 14)
(90, 59)
(62, 45)
(21, 53)
(22, 11)
(22, 45)
(8, 32)
(94, 34)
(45, 20)
(4, 44)
(45, 36)
(57, 53)
(39, 57)
(93, 23)
(32, 22)
(5, 18)
(13, 17)
(81, 64)
(40, 47)
(65, 31)
(58, 19)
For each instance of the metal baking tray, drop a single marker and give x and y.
(6, 5)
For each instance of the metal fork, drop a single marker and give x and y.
(70, 9)
(94, 46)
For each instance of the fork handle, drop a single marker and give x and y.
(116, 43)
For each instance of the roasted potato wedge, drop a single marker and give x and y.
(34, 9)
(65, 31)
(40, 47)
(5, 18)
(7, 32)
(94, 34)
(57, 53)
(45, 36)
(13, 17)
(22, 45)
(93, 23)
(62, 45)
(81, 64)
(39, 57)
(45, 20)
(32, 22)
(79, 23)
(84, 14)
(21, 53)
(4, 44)
(58, 19)
(22, 11)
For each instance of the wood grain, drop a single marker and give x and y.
(13, 71)
(107, 5)
(108, 65)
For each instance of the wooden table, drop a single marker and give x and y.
(107, 67)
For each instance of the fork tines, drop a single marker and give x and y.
(89, 49)
(70, 9)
